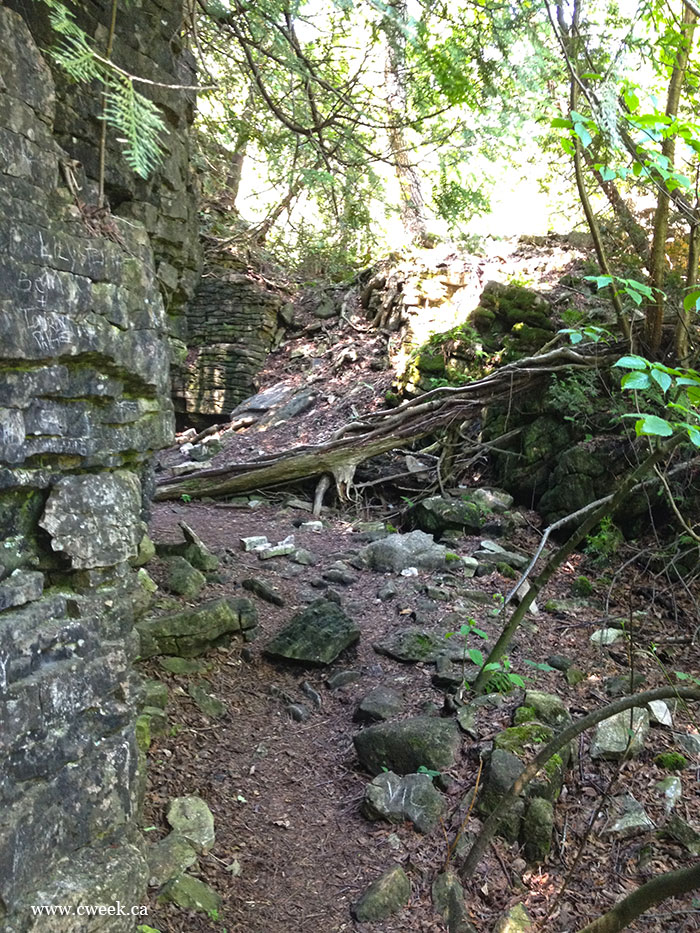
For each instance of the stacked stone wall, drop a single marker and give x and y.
(233, 322)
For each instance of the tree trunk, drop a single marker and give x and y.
(412, 203)
(670, 884)
(657, 267)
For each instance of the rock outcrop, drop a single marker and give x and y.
(89, 311)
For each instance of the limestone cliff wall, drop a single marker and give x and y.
(89, 308)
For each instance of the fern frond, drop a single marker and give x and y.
(138, 119)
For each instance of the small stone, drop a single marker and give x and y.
(182, 578)
(254, 543)
(606, 636)
(190, 893)
(315, 527)
(304, 558)
(168, 859)
(406, 746)
(611, 737)
(681, 831)
(379, 704)
(312, 694)
(559, 662)
(671, 789)
(298, 712)
(549, 708)
(263, 590)
(536, 829)
(659, 713)
(155, 693)
(193, 820)
(383, 897)
(632, 819)
(574, 676)
(205, 702)
(342, 679)
(397, 552)
(182, 665)
(336, 575)
(275, 550)
(387, 591)
(469, 566)
(145, 554)
(689, 742)
(516, 920)
(316, 635)
(448, 899)
(620, 686)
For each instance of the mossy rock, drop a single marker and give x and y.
(517, 738)
(432, 364)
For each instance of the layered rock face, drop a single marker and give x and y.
(233, 322)
(85, 343)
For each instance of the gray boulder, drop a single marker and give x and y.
(317, 635)
(383, 897)
(397, 552)
(437, 514)
(612, 736)
(398, 798)
(379, 704)
(404, 747)
(448, 900)
(536, 829)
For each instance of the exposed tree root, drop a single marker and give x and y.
(379, 432)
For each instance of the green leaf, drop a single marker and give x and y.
(694, 435)
(635, 380)
(607, 174)
(654, 426)
(583, 134)
(631, 100)
(691, 302)
(476, 657)
(693, 393)
(688, 381)
(631, 362)
(479, 632)
(561, 123)
(601, 281)
(576, 116)
(516, 679)
(661, 378)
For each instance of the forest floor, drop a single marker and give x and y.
(293, 852)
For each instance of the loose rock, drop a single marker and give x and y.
(405, 746)
(317, 635)
(383, 897)
(409, 797)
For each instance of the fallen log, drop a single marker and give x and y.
(391, 429)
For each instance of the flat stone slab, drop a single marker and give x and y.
(317, 635)
(191, 632)
(22, 586)
(406, 746)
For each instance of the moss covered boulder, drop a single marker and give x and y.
(404, 747)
